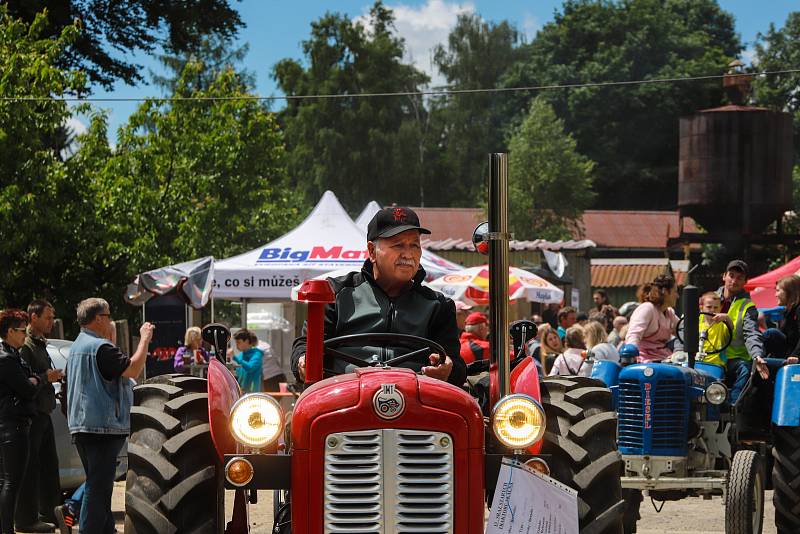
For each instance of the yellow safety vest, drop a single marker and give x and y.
(717, 337)
(737, 348)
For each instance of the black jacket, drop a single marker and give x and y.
(791, 329)
(17, 393)
(34, 351)
(361, 306)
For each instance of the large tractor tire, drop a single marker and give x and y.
(172, 484)
(581, 439)
(744, 499)
(786, 478)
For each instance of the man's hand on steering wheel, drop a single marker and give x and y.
(437, 368)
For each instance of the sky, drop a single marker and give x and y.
(275, 30)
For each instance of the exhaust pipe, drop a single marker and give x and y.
(498, 238)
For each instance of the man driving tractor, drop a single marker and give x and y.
(387, 296)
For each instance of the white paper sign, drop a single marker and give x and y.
(576, 298)
(528, 502)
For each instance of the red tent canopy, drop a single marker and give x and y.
(762, 288)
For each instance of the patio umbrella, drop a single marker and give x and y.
(471, 286)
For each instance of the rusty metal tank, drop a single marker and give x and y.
(735, 169)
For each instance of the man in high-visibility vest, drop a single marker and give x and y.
(746, 345)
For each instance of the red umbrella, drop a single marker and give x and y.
(762, 288)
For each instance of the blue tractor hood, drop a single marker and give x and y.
(654, 407)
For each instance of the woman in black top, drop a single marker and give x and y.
(787, 291)
(18, 386)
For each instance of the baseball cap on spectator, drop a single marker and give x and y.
(460, 306)
(476, 318)
(389, 222)
(739, 265)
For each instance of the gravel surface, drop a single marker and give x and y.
(694, 515)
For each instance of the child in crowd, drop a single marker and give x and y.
(572, 361)
(249, 359)
(713, 334)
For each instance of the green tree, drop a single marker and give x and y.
(631, 131)
(469, 126)
(188, 178)
(38, 241)
(549, 182)
(128, 26)
(780, 50)
(215, 53)
(361, 146)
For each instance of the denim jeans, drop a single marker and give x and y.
(739, 374)
(98, 454)
(14, 455)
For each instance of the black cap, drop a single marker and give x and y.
(392, 221)
(738, 265)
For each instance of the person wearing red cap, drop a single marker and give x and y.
(473, 340)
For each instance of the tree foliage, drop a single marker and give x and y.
(34, 183)
(630, 131)
(477, 56)
(128, 26)
(549, 182)
(779, 49)
(361, 146)
(187, 178)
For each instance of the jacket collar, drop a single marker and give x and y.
(39, 340)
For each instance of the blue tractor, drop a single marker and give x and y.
(679, 435)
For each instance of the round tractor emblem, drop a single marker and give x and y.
(388, 402)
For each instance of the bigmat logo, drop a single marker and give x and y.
(329, 255)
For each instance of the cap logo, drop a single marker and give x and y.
(388, 402)
(399, 214)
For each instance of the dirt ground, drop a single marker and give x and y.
(695, 516)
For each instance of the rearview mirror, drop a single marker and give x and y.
(480, 238)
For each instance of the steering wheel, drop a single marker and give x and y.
(716, 350)
(419, 345)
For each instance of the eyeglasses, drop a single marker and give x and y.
(22, 329)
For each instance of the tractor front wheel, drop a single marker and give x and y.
(171, 485)
(744, 499)
(581, 439)
(786, 478)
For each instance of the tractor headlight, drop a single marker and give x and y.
(716, 393)
(256, 420)
(518, 421)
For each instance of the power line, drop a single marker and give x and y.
(398, 93)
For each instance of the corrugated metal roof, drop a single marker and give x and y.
(632, 229)
(538, 244)
(619, 275)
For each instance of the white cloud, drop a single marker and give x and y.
(423, 27)
(748, 57)
(76, 128)
(530, 26)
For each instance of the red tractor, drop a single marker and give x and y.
(379, 450)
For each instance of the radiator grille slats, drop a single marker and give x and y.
(668, 421)
(389, 482)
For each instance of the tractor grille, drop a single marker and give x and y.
(389, 481)
(665, 431)
(631, 415)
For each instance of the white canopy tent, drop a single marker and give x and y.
(435, 266)
(326, 240)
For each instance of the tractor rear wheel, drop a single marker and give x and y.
(744, 499)
(786, 478)
(581, 439)
(172, 482)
